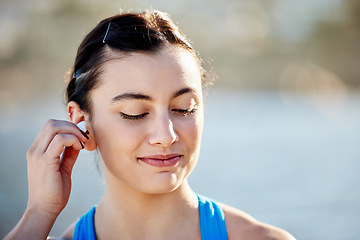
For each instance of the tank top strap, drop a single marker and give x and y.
(84, 228)
(212, 220)
(211, 215)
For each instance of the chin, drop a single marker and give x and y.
(163, 183)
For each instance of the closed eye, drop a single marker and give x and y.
(133, 117)
(185, 112)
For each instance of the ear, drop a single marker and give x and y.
(77, 115)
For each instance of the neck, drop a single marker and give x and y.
(136, 215)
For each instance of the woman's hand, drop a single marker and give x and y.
(50, 162)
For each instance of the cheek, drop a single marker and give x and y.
(191, 131)
(117, 146)
(198, 129)
(114, 135)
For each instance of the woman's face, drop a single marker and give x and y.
(147, 119)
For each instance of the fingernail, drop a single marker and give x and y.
(85, 134)
(82, 145)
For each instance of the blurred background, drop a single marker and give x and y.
(282, 130)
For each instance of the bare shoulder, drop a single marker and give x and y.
(240, 225)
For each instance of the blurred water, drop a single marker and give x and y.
(276, 156)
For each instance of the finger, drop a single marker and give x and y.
(38, 137)
(68, 159)
(56, 146)
(54, 127)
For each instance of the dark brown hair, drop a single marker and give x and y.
(124, 33)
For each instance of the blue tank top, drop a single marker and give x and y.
(212, 222)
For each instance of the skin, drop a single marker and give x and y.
(146, 106)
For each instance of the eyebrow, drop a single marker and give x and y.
(183, 91)
(135, 96)
(140, 96)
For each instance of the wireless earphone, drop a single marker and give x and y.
(81, 126)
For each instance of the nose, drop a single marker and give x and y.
(163, 133)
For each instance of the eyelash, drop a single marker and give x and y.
(185, 112)
(182, 112)
(133, 117)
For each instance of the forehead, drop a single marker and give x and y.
(164, 70)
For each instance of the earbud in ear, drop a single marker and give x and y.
(90, 144)
(81, 126)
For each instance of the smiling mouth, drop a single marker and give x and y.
(161, 160)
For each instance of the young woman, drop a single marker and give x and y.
(137, 85)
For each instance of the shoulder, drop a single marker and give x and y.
(242, 226)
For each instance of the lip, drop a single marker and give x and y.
(168, 160)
